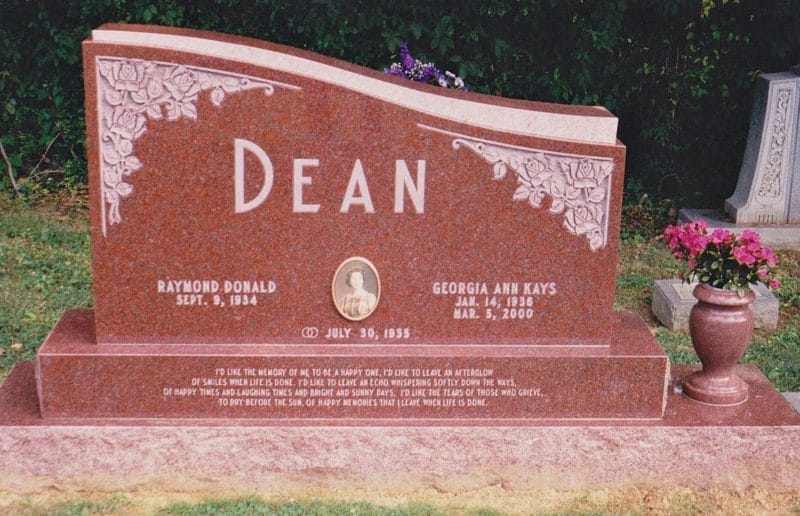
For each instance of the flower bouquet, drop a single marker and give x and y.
(415, 70)
(722, 259)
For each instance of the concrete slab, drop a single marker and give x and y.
(673, 300)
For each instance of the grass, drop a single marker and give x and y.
(775, 352)
(111, 504)
(45, 268)
(255, 506)
(545, 502)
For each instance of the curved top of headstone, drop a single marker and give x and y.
(587, 124)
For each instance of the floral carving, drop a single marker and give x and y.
(770, 188)
(131, 91)
(578, 186)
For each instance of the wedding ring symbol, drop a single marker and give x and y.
(309, 332)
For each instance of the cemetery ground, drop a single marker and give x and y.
(45, 268)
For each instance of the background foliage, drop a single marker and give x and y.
(679, 74)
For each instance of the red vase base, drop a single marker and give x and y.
(715, 390)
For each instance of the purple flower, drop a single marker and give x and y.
(395, 70)
(416, 70)
(428, 72)
(405, 57)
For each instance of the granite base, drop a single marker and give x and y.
(753, 445)
(625, 378)
(785, 236)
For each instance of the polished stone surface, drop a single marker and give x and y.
(229, 179)
(753, 445)
(369, 383)
(793, 398)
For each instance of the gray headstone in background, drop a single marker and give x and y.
(785, 236)
(767, 196)
(768, 190)
(673, 300)
(793, 398)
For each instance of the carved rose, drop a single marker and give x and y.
(127, 76)
(577, 187)
(132, 91)
(531, 167)
(582, 218)
(582, 174)
(182, 83)
(127, 123)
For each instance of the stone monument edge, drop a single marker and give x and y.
(603, 124)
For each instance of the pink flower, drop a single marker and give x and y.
(671, 235)
(749, 236)
(694, 243)
(768, 255)
(701, 226)
(753, 247)
(721, 236)
(743, 256)
(714, 253)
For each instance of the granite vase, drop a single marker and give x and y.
(721, 326)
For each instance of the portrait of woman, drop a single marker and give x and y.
(359, 302)
(356, 289)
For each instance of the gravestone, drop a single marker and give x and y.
(768, 190)
(310, 276)
(280, 235)
(767, 195)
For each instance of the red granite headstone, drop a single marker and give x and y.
(279, 234)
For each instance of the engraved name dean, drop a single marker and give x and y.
(356, 194)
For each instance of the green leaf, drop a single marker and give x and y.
(416, 30)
